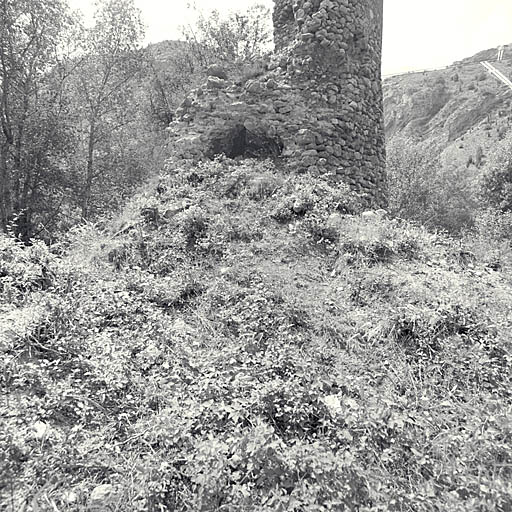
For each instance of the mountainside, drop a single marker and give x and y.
(456, 109)
(244, 340)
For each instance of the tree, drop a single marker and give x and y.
(411, 170)
(106, 80)
(496, 182)
(237, 37)
(172, 71)
(32, 138)
(235, 40)
(423, 190)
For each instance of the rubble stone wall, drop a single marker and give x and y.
(318, 105)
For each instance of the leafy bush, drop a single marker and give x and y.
(192, 224)
(316, 204)
(496, 182)
(422, 190)
(423, 335)
(24, 269)
(166, 292)
(494, 225)
(378, 240)
(238, 37)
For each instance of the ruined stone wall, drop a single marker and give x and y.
(318, 105)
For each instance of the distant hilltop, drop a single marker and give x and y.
(484, 55)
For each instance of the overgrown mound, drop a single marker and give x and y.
(241, 340)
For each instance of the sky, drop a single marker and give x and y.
(417, 35)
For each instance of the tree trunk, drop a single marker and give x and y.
(17, 177)
(5, 188)
(87, 192)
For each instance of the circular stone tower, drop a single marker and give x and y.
(317, 106)
(333, 50)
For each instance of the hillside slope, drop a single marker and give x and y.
(240, 340)
(456, 109)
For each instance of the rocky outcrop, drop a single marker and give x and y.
(460, 110)
(318, 105)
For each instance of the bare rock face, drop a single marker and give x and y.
(318, 106)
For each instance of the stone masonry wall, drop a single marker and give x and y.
(318, 105)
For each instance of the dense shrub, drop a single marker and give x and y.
(24, 269)
(494, 225)
(316, 205)
(422, 190)
(496, 182)
(377, 240)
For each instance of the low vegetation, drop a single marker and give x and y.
(239, 339)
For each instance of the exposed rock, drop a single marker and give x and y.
(101, 495)
(254, 87)
(372, 214)
(301, 206)
(176, 208)
(40, 429)
(217, 71)
(70, 497)
(334, 221)
(216, 83)
(271, 84)
(454, 110)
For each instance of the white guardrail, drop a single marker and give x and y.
(497, 73)
(487, 65)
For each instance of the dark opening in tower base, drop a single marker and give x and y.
(238, 141)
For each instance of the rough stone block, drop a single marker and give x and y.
(216, 83)
(217, 71)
